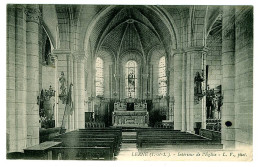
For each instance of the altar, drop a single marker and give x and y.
(130, 115)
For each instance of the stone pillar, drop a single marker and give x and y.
(194, 108)
(70, 118)
(204, 86)
(56, 113)
(244, 77)
(11, 77)
(62, 66)
(170, 89)
(75, 88)
(16, 79)
(32, 47)
(183, 104)
(177, 89)
(20, 81)
(81, 91)
(228, 68)
(187, 91)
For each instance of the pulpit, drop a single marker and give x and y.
(130, 115)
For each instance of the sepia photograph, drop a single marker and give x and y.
(127, 82)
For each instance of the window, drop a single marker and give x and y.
(131, 79)
(99, 77)
(162, 79)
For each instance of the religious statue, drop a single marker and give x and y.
(213, 104)
(131, 82)
(198, 80)
(63, 93)
(198, 93)
(219, 105)
(46, 107)
(209, 104)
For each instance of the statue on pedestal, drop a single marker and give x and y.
(198, 93)
(198, 80)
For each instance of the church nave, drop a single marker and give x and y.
(116, 82)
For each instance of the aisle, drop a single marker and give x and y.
(126, 151)
(128, 146)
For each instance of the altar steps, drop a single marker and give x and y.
(129, 137)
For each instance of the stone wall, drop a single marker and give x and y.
(244, 76)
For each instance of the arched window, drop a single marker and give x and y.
(99, 77)
(162, 79)
(131, 79)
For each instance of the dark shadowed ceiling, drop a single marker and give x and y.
(126, 28)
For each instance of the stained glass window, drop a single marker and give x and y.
(99, 77)
(162, 79)
(131, 79)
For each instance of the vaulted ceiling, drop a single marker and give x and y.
(122, 28)
(126, 28)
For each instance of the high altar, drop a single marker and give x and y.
(130, 114)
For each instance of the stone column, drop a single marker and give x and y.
(170, 89)
(62, 66)
(177, 88)
(32, 47)
(81, 91)
(228, 68)
(16, 79)
(70, 80)
(20, 81)
(194, 108)
(75, 88)
(187, 91)
(56, 113)
(11, 78)
(183, 104)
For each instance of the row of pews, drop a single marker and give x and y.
(163, 138)
(85, 144)
(105, 143)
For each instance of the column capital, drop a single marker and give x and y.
(33, 13)
(61, 52)
(196, 49)
(79, 55)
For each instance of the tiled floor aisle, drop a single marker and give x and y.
(126, 151)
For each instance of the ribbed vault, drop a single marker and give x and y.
(123, 28)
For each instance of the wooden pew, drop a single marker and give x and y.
(166, 137)
(117, 131)
(156, 142)
(92, 138)
(91, 143)
(82, 153)
(40, 151)
(93, 134)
